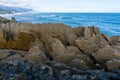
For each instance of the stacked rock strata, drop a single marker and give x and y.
(74, 53)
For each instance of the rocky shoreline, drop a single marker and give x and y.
(57, 52)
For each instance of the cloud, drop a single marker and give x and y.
(19, 3)
(66, 5)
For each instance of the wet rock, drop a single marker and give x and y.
(19, 52)
(21, 77)
(14, 57)
(79, 77)
(65, 72)
(23, 71)
(1, 75)
(113, 64)
(65, 75)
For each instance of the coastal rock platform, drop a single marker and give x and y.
(57, 52)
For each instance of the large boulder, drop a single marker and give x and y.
(105, 54)
(79, 31)
(4, 54)
(113, 64)
(39, 44)
(73, 49)
(14, 57)
(57, 47)
(116, 47)
(100, 40)
(65, 58)
(11, 54)
(86, 46)
(115, 39)
(36, 55)
(78, 63)
(1, 34)
(86, 59)
(23, 41)
(90, 32)
(60, 31)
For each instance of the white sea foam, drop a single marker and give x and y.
(14, 14)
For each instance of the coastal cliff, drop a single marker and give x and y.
(57, 51)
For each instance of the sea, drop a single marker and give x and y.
(108, 23)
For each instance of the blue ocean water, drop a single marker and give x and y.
(109, 23)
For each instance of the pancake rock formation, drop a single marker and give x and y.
(57, 52)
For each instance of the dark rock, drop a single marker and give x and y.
(13, 20)
(79, 77)
(4, 20)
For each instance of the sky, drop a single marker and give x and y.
(66, 5)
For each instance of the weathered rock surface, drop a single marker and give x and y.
(65, 58)
(4, 55)
(106, 54)
(78, 63)
(36, 55)
(113, 64)
(57, 52)
(86, 46)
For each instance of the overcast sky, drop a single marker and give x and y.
(66, 5)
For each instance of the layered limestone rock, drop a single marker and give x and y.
(36, 55)
(113, 64)
(86, 46)
(79, 48)
(106, 54)
(78, 63)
